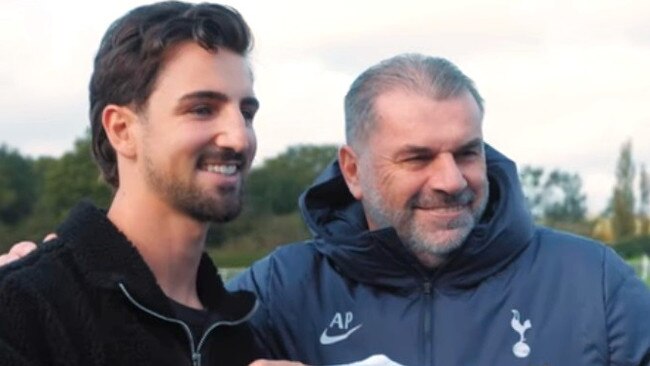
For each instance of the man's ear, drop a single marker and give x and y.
(119, 123)
(349, 163)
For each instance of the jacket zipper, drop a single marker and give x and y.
(195, 351)
(428, 341)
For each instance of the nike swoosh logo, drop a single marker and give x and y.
(325, 339)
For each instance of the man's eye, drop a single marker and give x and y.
(248, 115)
(469, 154)
(416, 159)
(202, 111)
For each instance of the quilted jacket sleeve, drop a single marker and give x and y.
(257, 279)
(627, 306)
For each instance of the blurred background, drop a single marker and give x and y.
(565, 83)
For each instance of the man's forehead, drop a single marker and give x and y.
(190, 68)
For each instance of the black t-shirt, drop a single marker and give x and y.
(197, 320)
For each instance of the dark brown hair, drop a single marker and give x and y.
(132, 53)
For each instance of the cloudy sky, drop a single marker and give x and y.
(565, 82)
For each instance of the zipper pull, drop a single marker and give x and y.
(196, 359)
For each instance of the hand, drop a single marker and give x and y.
(276, 363)
(21, 249)
(17, 251)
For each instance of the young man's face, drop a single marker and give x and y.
(197, 134)
(422, 170)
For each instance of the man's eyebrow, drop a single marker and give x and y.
(477, 142)
(425, 150)
(220, 97)
(205, 94)
(415, 149)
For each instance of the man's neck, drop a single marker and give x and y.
(171, 243)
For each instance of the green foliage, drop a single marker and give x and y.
(634, 247)
(253, 232)
(566, 202)
(275, 186)
(250, 238)
(644, 201)
(44, 190)
(623, 218)
(18, 187)
(71, 178)
(555, 199)
(532, 185)
(236, 257)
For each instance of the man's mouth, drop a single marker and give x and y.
(224, 162)
(441, 208)
(444, 203)
(224, 169)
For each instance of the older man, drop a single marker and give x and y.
(424, 252)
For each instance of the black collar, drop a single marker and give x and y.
(105, 257)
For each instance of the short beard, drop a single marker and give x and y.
(192, 201)
(418, 239)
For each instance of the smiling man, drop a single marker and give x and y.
(171, 109)
(432, 189)
(424, 252)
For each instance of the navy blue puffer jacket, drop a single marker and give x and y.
(514, 294)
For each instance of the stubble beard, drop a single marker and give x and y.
(430, 242)
(220, 206)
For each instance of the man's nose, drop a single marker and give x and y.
(446, 176)
(233, 132)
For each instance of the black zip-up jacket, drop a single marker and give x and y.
(89, 299)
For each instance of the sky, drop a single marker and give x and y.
(565, 83)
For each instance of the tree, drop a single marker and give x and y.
(531, 183)
(17, 186)
(71, 178)
(565, 200)
(623, 220)
(275, 186)
(644, 200)
(553, 198)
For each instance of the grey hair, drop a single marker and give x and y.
(432, 76)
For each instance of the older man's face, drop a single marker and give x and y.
(422, 171)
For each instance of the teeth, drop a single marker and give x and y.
(222, 169)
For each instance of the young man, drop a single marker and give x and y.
(425, 253)
(171, 108)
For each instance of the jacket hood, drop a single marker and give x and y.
(338, 223)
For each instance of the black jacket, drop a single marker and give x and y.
(88, 298)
